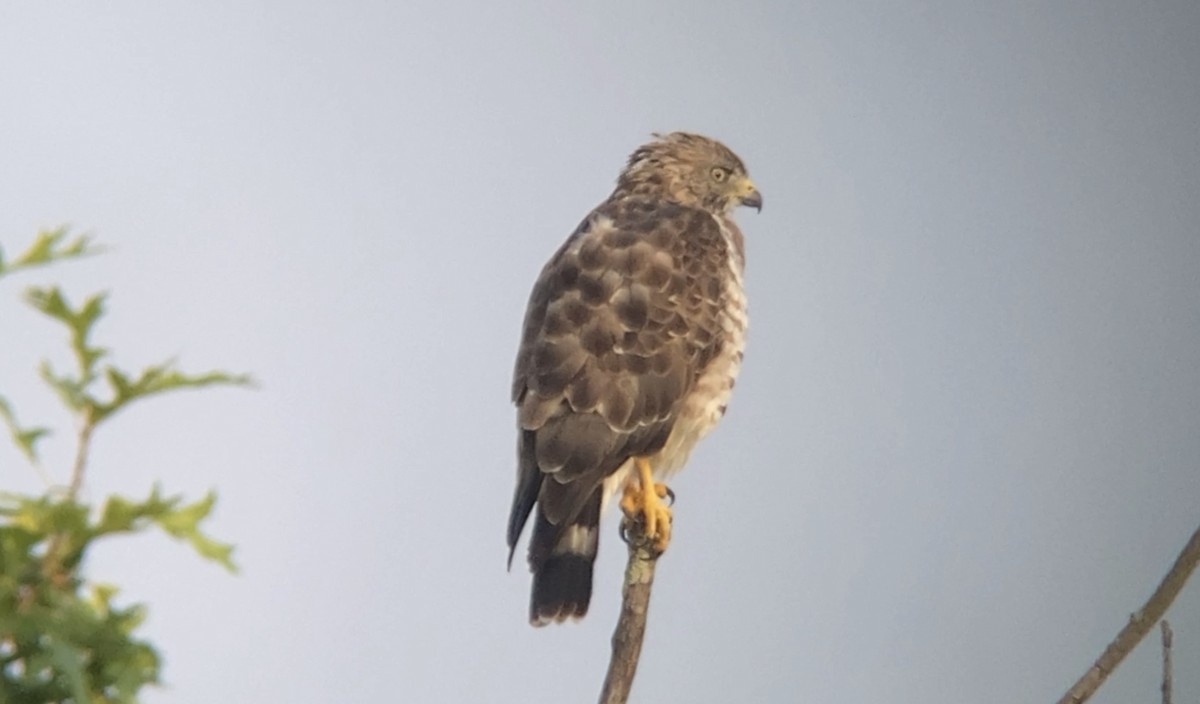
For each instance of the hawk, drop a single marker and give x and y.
(632, 340)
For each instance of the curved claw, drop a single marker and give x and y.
(657, 519)
(644, 507)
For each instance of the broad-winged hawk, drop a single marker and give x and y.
(632, 340)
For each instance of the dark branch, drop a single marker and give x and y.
(635, 603)
(1167, 637)
(1139, 624)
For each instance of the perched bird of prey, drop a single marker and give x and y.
(632, 340)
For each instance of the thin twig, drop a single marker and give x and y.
(635, 604)
(83, 445)
(1167, 637)
(1139, 624)
(51, 561)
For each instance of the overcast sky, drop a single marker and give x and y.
(965, 441)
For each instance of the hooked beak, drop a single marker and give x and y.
(753, 199)
(749, 195)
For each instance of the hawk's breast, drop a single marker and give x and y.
(704, 405)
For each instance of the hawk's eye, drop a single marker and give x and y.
(719, 174)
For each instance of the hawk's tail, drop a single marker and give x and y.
(561, 558)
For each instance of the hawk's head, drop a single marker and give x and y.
(692, 170)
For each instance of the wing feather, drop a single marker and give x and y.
(615, 335)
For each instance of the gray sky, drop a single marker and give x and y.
(964, 444)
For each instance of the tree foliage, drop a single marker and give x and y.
(62, 636)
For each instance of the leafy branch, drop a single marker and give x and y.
(62, 637)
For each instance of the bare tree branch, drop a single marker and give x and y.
(1139, 624)
(1167, 637)
(635, 604)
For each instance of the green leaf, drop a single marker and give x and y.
(73, 389)
(158, 379)
(79, 322)
(17, 560)
(24, 438)
(68, 662)
(70, 391)
(101, 597)
(121, 515)
(65, 516)
(184, 523)
(50, 246)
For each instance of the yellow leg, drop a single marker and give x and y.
(644, 499)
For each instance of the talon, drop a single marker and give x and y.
(643, 502)
(631, 502)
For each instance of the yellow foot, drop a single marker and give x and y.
(643, 500)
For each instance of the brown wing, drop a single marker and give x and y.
(620, 323)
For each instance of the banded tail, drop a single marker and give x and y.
(560, 557)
